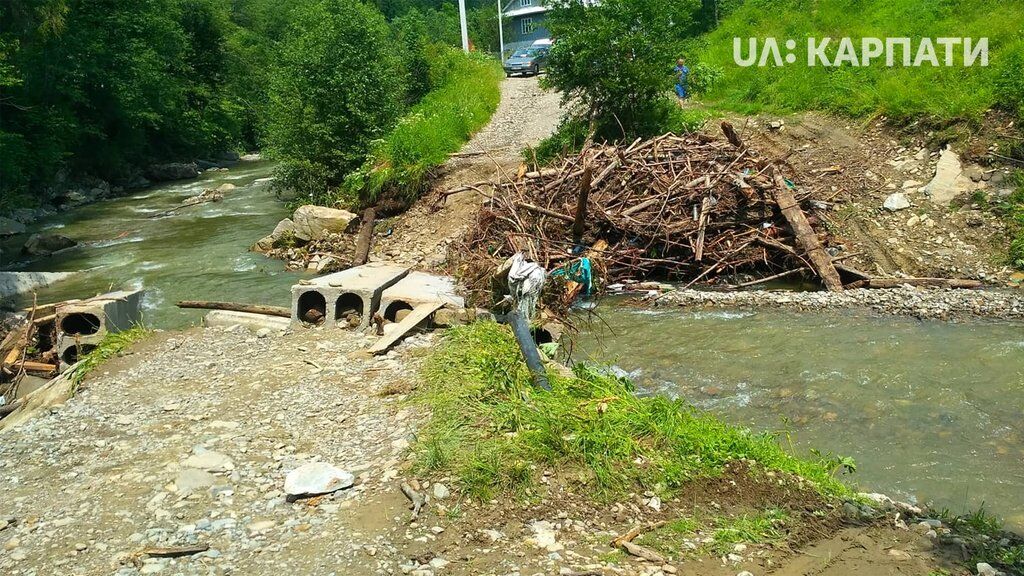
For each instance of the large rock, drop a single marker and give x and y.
(897, 201)
(311, 222)
(949, 180)
(9, 227)
(172, 171)
(317, 478)
(203, 459)
(283, 228)
(46, 244)
(12, 283)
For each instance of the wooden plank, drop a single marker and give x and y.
(418, 314)
(805, 235)
(934, 282)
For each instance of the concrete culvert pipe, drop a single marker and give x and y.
(75, 353)
(349, 308)
(80, 324)
(397, 311)
(312, 308)
(542, 336)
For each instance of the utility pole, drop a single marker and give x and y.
(501, 34)
(462, 22)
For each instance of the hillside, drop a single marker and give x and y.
(940, 94)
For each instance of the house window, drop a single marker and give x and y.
(525, 3)
(527, 26)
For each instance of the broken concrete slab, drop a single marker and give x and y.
(949, 180)
(342, 295)
(420, 313)
(81, 325)
(12, 283)
(254, 322)
(419, 288)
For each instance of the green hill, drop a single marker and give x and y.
(939, 94)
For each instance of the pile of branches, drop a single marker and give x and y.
(686, 208)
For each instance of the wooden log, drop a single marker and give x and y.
(959, 283)
(731, 135)
(581, 207)
(235, 307)
(40, 368)
(365, 238)
(805, 235)
(545, 212)
(175, 551)
(702, 224)
(770, 278)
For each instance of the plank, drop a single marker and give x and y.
(805, 235)
(418, 314)
(235, 307)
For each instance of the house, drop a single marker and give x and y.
(524, 23)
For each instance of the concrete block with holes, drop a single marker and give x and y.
(82, 324)
(419, 288)
(348, 298)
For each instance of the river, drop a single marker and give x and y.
(198, 253)
(931, 411)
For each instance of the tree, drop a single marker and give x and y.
(615, 58)
(336, 87)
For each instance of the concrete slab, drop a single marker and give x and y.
(82, 325)
(254, 322)
(419, 288)
(352, 295)
(12, 283)
(419, 314)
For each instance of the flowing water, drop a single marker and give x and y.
(198, 253)
(930, 411)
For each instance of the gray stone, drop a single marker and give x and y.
(9, 227)
(949, 181)
(18, 282)
(896, 201)
(986, 569)
(441, 491)
(191, 479)
(172, 171)
(46, 244)
(208, 460)
(317, 478)
(311, 222)
(263, 333)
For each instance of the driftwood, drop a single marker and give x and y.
(625, 542)
(56, 391)
(175, 551)
(806, 236)
(206, 196)
(931, 282)
(416, 499)
(365, 238)
(235, 307)
(686, 208)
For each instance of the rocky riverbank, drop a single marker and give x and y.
(931, 303)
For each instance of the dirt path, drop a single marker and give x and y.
(526, 115)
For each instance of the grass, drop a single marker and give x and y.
(1012, 210)
(718, 535)
(986, 540)
(111, 345)
(494, 433)
(465, 95)
(936, 94)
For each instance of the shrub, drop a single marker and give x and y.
(337, 87)
(465, 93)
(615, 58)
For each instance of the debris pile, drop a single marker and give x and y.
(692, 208)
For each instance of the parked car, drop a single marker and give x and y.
(527, 61)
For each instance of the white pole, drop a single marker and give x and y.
(501, 34)
(462, 22)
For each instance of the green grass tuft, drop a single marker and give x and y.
(492, 430)
(465, 95)
(111, 345)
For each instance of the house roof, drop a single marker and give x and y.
(526, 11)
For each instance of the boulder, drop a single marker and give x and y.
(46, 244)
(226, 187)
(311, 222)
(284, 227)
(228, 156)
(255, 157)
(897, 201)
(317, 478)
(172, 171)
(9, 227)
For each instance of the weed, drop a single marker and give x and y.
(491, 429)
(748, 528)
(1012, 211)
(111, 345)
(986, 539)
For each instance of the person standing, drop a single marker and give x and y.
(682, 72)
